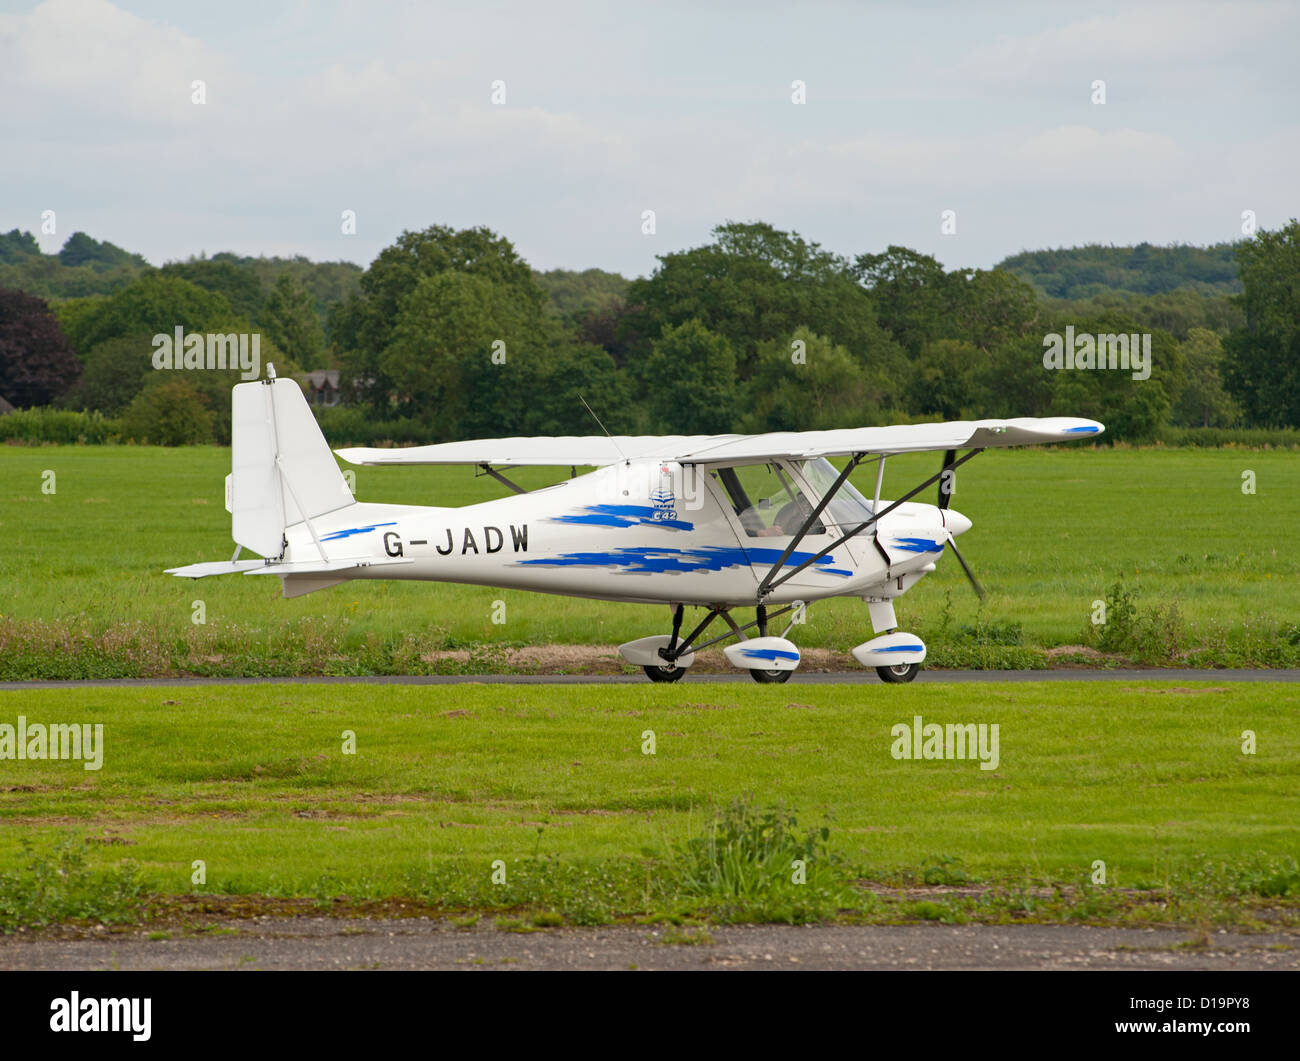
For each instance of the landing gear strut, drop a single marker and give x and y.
(767, 677)
(667, 657)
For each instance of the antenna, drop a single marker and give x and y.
(604, 428)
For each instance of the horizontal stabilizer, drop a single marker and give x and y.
(215, 567)
(322, 567)
(264, 567)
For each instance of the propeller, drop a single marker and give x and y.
(948, 480)
(975, 584)
(947, 487)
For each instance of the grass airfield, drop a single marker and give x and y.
(539, 805)
(82, 593)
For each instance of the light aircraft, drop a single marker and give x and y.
(717, 522)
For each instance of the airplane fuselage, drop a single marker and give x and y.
(614, 534)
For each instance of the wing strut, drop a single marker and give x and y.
(769, 583)
(489, 470)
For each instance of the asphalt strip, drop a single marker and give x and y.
(940, 677)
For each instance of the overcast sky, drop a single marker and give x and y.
(618, 108)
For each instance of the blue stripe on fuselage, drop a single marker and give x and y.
(648, 560)
(355, 530)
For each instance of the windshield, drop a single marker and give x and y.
(849, 508)
(767, 503)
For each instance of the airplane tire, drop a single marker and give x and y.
(766, 677)
(664, 674)
(904, 672)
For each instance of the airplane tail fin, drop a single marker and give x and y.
(282, 470)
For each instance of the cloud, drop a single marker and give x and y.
(387, 111)
(96, 59)
(1080, 154)
(1138, 42)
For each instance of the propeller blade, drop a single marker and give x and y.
(979, 590)
(948, 482)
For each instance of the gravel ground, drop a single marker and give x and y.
(417, 943)
(856, 676)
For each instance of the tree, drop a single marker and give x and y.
(114, 337)
(441, 359)
(910, 291)
(754, 284)
(573, 373)
(689, 381)
(989, 306)
(17, 246)
(1203, 402)
(81, 249)
(1133, 410)
(238, 284)
(574, 295)
(1081, 272)
(154, 304)
(1262, 359)
(1012, 381)
(604, 327)
(803, 383)
(289, 318)
(943, 380)
(36, 360)
(170, 413)
(366, 325)
(115, 371)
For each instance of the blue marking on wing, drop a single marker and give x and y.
(356, 530)
(918, 545)
(1081, 430)
(622, 516)
(769, 654)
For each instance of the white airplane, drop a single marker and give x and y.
(718, 522)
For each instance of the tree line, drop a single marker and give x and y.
(451, 334)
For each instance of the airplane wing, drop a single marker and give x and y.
(580, 450)
(597, 450)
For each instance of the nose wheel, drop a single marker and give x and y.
(903, 672)
(770, 677)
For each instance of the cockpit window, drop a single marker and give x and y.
(767, 502)
(848, 508)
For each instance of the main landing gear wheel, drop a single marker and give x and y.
(770, 676)
(670, 673)
(904, 672)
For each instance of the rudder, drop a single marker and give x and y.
(282, 469)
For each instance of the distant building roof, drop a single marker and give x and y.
(322, 377)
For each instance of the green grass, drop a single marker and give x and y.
(550, 784)
(82, 591)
